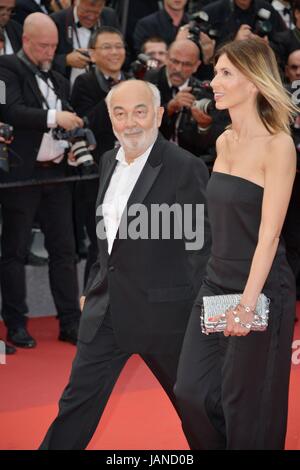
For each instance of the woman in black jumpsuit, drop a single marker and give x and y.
(232, 388)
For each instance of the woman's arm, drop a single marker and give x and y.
(280, 169)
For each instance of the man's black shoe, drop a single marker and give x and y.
(20, 337)
(69, 333)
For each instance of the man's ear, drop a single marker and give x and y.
(160, 113)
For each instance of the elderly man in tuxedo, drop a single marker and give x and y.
(140, 292)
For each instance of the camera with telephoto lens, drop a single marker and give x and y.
(263, 25)
(199, 23)
(203, 103)
(6, 132)
(142, 64)
(82, 141)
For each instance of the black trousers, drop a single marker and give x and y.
(232, 392)
(19, 207)
(95, 370)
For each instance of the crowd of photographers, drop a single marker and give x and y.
(54, 77)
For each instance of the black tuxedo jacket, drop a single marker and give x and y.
(65, 23)
(24, 111)
(149, 284)
(24, 8)
(88, 99)
(14, 32)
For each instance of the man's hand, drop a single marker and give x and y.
(77, 59)
(203, 120)
(81, 302)
(207, 46)
(183, 99)
(183, 33)
(68, 120)
(243, 33)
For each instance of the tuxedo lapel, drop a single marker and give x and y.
(33, 85)
(106, 176)
(145, 182)
(149, 173)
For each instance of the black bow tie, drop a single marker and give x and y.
(112, 82)
(44, 75)
(79, 25)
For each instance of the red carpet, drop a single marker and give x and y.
(138, 416)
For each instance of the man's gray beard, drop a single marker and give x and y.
(141, 145)
(45, 66)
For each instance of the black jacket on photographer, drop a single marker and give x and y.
(284, 43)
(67, 31)
(25, 111)
(226, 17)
(14, 34)
(157, 24)
(181, 127)
(88, 99)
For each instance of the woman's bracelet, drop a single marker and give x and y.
(247, 308)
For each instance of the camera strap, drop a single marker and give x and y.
(45, 76)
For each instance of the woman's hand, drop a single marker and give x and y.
(238, 321)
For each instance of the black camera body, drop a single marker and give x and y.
(82, 141)
(143, 64)
(262, 26)
(6, 132)
(200, 23)
(204, 100)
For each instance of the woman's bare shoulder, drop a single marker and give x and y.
(281, 139)
(223, 138)
(281, 148)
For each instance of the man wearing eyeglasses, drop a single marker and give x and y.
(88, 99)
(184, 122)
(75, 27)
(11, 29)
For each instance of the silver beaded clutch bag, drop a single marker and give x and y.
(218, 304)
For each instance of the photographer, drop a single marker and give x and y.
(156, 48)
(9, 349)
(241, 19)
(189, 119)
(88, 99)
(164, 23)
(75, 26)
(285, 42)
(11, 29)
(37, 170)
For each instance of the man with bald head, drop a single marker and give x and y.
(36, 101)
(184, 122)
(139, 294)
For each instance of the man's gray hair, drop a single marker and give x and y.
(153, 89)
